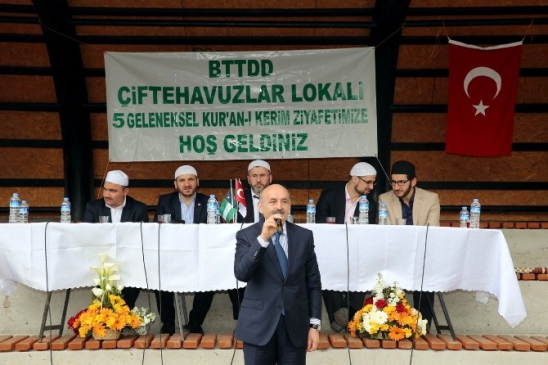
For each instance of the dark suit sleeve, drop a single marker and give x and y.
(89, 217)
(160, 209)
(143, 214)
(313, 281)
(322, 208)
(249, 254)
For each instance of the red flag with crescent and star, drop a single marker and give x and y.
(483, 84)
(240, 198)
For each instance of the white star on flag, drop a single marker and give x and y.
(480, 108)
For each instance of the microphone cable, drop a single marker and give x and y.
(48, 313)
(238, 309)
(420, 293)
(347, 287)
(147, 285)
(160, 294)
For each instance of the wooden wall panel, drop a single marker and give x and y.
(24, 54)
(31, 163)
(431, 127)
(435, 56)
(424, 90)
(423, 127)
(455, 32)
(27, 89)
(29, 125)
(126, 3)
(97, 89)
(492, 197)
(472, 3)
(439, 166)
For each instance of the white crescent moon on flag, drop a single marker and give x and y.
(240, 193)
(482, 71)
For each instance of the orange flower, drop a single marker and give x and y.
(396, 333)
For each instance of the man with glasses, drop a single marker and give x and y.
(418, 207)
(342, 203)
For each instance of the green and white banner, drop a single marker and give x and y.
(241, 105)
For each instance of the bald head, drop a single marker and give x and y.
(275, 199)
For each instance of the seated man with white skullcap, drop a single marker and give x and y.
(186, 205)
(119, 207)
(342, 203)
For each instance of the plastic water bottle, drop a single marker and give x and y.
(363, 208)
(464, 217)
(311, 211)
(217, 213)
(211, 210)
(475, 211)
(65, 211)
(383, 214)
(24, 212)
(15, 203)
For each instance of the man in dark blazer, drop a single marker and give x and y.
(119, 207)
(188, 206)
(342, 203)
(281, 310)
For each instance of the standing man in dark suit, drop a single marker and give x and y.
(342, 203)
(120, 207)
(281, 310)
(189, 206)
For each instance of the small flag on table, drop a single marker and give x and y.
(227, 209)
(240, 198)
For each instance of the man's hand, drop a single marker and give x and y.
(270, 226)
(313, 339)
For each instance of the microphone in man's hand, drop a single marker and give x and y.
(280, 226)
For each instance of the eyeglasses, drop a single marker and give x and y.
(368, 182)
(399, 182)
(259, 176)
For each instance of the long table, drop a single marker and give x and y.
(199, 257)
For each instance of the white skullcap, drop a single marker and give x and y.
(184, 170)
(117, 177)
(258, 163)
(363, 169)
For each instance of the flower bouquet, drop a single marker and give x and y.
(148, 319)
(387, 315)
(108, 314)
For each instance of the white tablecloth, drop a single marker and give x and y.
(52, 256)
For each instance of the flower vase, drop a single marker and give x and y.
(109, 335)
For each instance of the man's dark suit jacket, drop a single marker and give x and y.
(266, 289)
(332, 203)
(134, 211)
(250, 215)
(170, 204)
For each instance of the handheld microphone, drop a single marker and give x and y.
(280, 226)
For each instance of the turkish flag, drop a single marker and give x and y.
(240, 198)
(483, 84)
